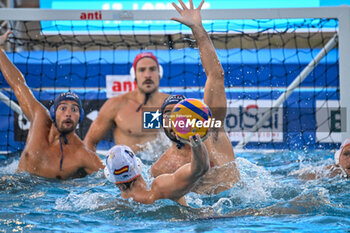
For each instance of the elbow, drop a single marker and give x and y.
(90, 144)
(154, 172)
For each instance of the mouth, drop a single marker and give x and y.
(148, 82)
(68, 122)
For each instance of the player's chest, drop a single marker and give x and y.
(129, 120)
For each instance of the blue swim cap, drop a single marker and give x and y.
(172, 99)
(66, 96)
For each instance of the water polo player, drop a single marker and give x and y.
(223, 173)
(342, 159)
(52, 149)
(124, 113)
(123, 170)
(341, 166)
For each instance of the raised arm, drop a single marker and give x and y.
(174, 186)
(29, 105)
(214, 92)
(100, 126)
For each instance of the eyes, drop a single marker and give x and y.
(143, 69)
(64, 107)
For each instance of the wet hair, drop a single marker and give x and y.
(126, 186)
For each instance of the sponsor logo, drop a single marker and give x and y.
(242, 116)
(94, 15)
(119, 84)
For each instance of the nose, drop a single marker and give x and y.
(148, 74)
(68, 112)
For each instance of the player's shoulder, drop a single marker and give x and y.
(117, 102)
(162, 96)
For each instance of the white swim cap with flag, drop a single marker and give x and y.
(338, 152)
(122, 165)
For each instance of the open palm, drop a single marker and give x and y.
(191, 16)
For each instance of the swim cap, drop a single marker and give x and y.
(172, 99)
(143, 55)
(122, 165)
(66, 96)
(338, 152)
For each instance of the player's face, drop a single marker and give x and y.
(147, 75)
(67, 116)
(344, 159)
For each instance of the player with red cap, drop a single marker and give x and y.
(124, 113)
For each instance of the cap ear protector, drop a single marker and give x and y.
(66, 96)
(133, 75)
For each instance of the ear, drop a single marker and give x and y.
(52, 113)
(160, 67)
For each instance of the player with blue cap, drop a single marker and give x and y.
(223, 173)
(44, 153)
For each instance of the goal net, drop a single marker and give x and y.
(91, 53)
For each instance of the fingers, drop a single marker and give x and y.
(191, 4)
(176, 7)
(4, 37)
(7, 34)
(183, 5)
(195, 140)
(200, 5)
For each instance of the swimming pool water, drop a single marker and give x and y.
(269, 197)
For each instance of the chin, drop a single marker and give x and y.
(66, 130)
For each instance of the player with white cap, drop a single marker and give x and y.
(124, 170)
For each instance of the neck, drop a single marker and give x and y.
(141, 97)
(54, 135)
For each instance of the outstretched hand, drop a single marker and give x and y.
(4, 37)
(190, 17)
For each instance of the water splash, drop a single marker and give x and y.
(79, 202)
(151, 151)
(10, 168)
(255, 184)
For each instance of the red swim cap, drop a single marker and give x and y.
(143, 55)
